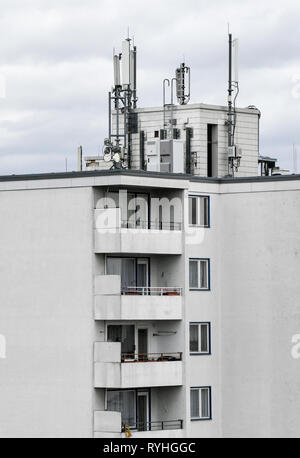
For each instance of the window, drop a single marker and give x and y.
(176, 134)
(134, 272)
(199, 211)
(156, 134)
(200, 402)
(163, 134)
(200, 339)
(124, 402)
(200, 274)
(212, 150)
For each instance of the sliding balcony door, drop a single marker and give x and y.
(142, 411)
(124, 334)
(142, 344)
(134, 406)
(125, 268)
(134, 273)
(142, 273)
(123, 401)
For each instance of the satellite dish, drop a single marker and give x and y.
(107, 157)
(116, 157)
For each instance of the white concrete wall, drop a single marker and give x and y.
(260, 310)
(108, 285)
(108, 307)
(168, 404)
(46, 313)
(139, 241)
(151, 307)
(138, 374)
(107, 352)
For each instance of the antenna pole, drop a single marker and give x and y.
(230, 90)
(79, 158)
(230, 114)
(295, 159)
(134, 77)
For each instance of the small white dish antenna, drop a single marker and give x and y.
(107, 157)
(116, 157)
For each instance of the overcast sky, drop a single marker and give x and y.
(56, 69)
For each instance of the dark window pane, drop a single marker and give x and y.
(194, 403)
(193, 274)
(113, 266)
(203, 274)
(205, 403)
(205, 216)
(204, 338)
(194, 210)
(194, 337)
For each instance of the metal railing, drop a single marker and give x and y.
(154, 425)
(155, 225)
(151, 291)
(150, 357)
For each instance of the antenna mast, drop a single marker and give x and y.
(234, 157)
(122, 103)
(182, 82)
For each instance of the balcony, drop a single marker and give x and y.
(112, 235)
(109, 425)
(115, 370)
(155, 303)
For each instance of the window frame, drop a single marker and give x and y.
(198, 352)
(199, 196)
(200, 388)
(199, 273)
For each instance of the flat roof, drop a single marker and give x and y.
(199, 106)
(142, 173)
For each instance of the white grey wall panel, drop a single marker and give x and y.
(46, 313)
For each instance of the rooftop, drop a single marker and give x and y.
(141, 173)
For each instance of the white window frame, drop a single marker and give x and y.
(200, 389)
(206, 205)
(198, 287)
(199, 350)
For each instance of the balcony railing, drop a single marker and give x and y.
(151, 291)
(155, 225)
(150, 357)
(154, 425)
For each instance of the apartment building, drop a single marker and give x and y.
(154, 294)
(163, 304)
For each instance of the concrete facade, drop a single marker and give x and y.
(57, 302)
